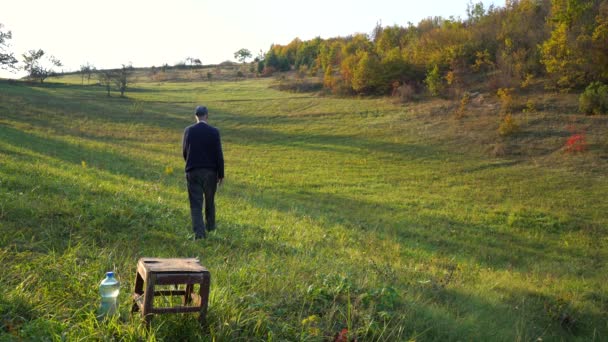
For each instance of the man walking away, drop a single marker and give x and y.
(204, 158)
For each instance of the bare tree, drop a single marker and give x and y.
(105, 78)
(86, 70)
(193, 62)
(121, 78)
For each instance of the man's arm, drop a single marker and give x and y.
(184, 144)
(220, 159)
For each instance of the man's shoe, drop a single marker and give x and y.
(199, 236)
(209, 229)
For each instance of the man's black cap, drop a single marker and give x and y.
(201, 110)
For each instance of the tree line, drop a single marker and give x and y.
(564, 41)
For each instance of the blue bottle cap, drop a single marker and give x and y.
(109, 274)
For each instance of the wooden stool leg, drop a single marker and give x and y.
(149, 298)
(139, 290)
(204, 298)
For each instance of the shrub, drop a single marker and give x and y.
(508, 126)
(403, 92)
(506, 99)
(594, 100)
(434, 82)
(299, 86)
(527, 81)
(464, 102)
(530, 107)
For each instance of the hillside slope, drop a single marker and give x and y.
(391, 221)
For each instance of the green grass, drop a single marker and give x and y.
(391, 221)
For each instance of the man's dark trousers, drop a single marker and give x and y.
(202, 184)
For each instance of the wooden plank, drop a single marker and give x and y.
(176, 309)
(169, 293)
(171, 265)
(179, 278)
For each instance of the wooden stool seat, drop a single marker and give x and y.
(172, 271)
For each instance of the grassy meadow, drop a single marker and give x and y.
(392, 221)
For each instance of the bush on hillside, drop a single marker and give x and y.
(508, 126)
(403, 93)
(464, 102)
(505, 95)
(594, 100)
(434, 81)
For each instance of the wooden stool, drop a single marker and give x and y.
(158, 271)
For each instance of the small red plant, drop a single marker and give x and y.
(342, 336)
(576, 143)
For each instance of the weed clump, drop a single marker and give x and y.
(403, 93)
(137, 108)
(530, 107)
(464, 102)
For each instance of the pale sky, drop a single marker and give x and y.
(110, 33)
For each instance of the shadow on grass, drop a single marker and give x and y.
(531, 316)
(487, 245)
(495, 245)
(75, 154)
(15, 312)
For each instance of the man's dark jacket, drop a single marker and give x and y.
(202, 148)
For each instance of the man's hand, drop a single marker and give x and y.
(220, 181)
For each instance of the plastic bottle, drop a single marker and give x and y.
(108, 289)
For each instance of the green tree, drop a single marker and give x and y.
(391, 37)
(242, 55)
(347, 71)
(568, 55)
(599, 41)
(7, 59)
(364, 73)
(594, 100)
(356, 43)
(38, 66)
(271, 61)
(394, 69)
(475, 11)
(307, 53)
(330, 54)
(328, 78)
(434, 81)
